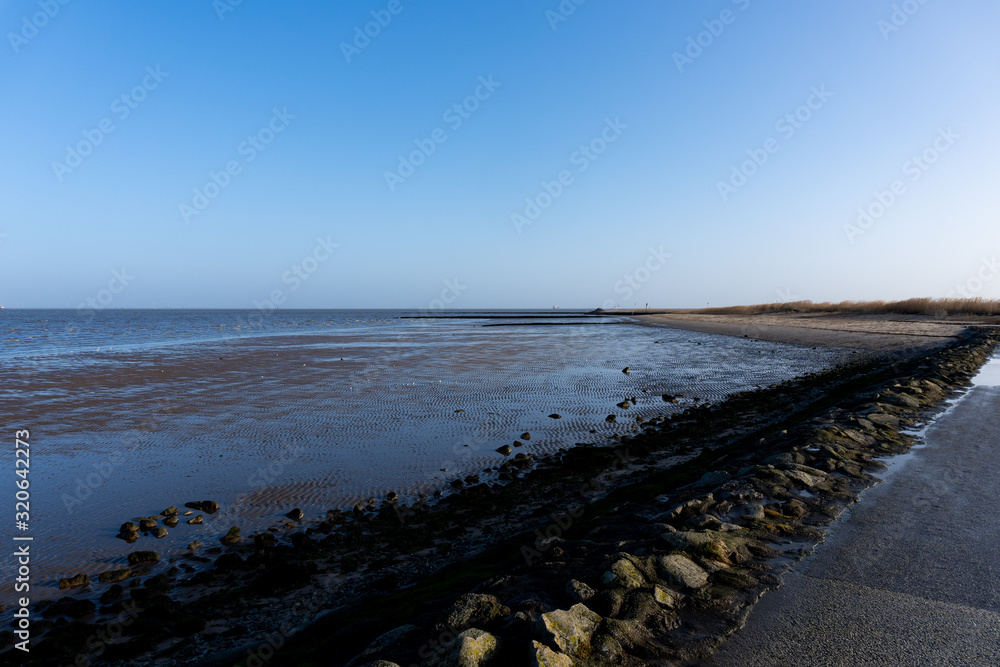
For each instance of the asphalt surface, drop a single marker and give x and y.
(910, 575)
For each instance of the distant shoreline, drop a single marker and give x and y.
(880, 333)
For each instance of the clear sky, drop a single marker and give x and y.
(619, 153)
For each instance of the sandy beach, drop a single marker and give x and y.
(882, 333)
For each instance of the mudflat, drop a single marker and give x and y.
(882, 333)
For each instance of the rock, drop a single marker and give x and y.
(571, 630)
(705, 521)
(474, 609)
(624, 405)
(383, 642)
(188, 512)
(738, 490)
(611, 419)
(392, 496)
(74, 582)
(712, 479)
(113, 593)
(263, 540)
(683, 540)
(681, 570)
(194, 545)
(232, 537)
(472, 648)
(609, 648)
(525, 436)
(380, 663)
(689, 508)
(518, 443)
(667, 398)
(227, 562)
(147, 524)
(295, 514)
(129, 527)
(782, 459)
(71, 607)
(626, 370)
(505, 450)
(795, 508)
(170, 511)
(114, 576)
(196, 520)
(546, 657)
(140, 557)
(752, 511)
(623, 574)
(579, 591)
(902, 400)
(555, 416)
(282, 577)
(207, 506)
(809, 481)
(171, 521)
(667, 597)
(159, 532)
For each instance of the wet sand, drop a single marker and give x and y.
(881, 333)
(263, 425)
(449, 525)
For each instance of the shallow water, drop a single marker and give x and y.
(137, 411)
(989, 374)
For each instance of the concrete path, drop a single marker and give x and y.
(910, 576)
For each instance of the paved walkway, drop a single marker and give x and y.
(910, 576)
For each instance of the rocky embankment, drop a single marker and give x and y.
(649, 551)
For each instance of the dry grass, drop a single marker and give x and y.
(925, 306)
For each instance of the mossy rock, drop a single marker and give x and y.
(114, 576)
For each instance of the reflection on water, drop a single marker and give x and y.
(989, 375)
(317, 410)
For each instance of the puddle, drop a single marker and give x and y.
(989, 375)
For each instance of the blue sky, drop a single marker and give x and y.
(640, 216)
